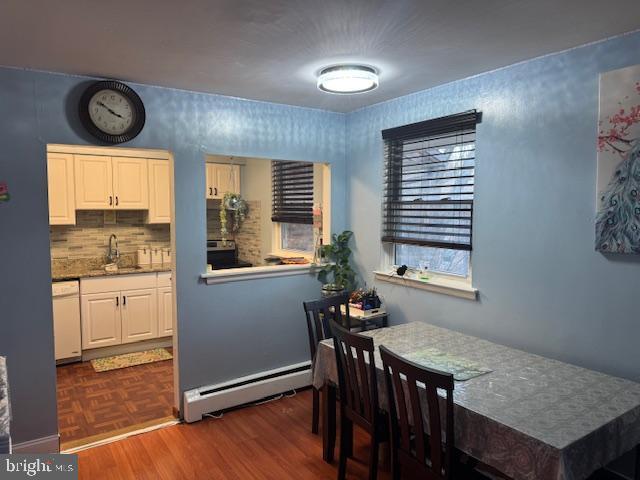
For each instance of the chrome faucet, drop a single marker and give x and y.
(113, 254)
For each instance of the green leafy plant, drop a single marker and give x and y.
(235, 203)
(337, 273)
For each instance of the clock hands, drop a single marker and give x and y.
(109, 110)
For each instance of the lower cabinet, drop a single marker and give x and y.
(125, 309)
(100, 318)
(165, 311)
(139, 315)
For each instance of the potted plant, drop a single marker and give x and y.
(336, 273)
(236, 204)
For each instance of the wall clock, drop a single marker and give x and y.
(111, 111)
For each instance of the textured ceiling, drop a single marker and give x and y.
(272, 49)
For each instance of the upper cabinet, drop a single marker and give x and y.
(222, 178)
(104, 183)
(62, 199)
(159, 192)
(104, 178)
(130, 183)
(94, 182)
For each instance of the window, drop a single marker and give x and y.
(296, 236)
(428, 193)
(292, 207)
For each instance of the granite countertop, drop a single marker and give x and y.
(5, 413)
(74, 274)
(74, 269)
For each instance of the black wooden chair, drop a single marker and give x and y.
(417, 450)
(319, 313)
(358, 389)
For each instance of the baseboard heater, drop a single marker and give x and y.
(222, 396)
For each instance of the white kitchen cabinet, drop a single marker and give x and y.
(165, 311)
(62, 197)
(139, 315)
(94, 182)
(122, 309)
(100, 318)
(159, 192)
(222, 178)
(130, 183)
(107, 183)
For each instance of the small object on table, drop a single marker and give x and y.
(295, 261)
(271, 260)
(378, 318)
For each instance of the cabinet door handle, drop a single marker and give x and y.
(110, 200)
(124, 300)
(216, 189)
(117, 301)
(210, 191)
(116, 200)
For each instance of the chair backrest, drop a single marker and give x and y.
(356, 379)
(319, 313)
(402, 378)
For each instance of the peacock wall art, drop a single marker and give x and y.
(618, 202)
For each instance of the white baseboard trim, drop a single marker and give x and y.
(50, 444)
(126, 348)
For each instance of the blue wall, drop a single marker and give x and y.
(225, 331)
(542, 286)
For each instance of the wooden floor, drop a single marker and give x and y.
(269, 441)
(91, 403)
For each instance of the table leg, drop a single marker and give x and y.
(385, 321)
(328, 422)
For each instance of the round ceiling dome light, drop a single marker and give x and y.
(346, 79)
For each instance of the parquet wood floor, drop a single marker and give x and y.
(91, 403)
(270, 441)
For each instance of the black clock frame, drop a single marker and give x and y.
(139, 114)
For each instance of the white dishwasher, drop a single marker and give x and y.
(66, 319)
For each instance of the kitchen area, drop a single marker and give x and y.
(110, 213)
(263, 212)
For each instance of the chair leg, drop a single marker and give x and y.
(315, 419)
(345, 431)
(348, 444)
(373, 458)
(328, 422)
(395, 466)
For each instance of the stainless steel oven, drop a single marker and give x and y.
(222, 255)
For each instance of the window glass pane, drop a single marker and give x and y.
(296, 236)
(444, 260)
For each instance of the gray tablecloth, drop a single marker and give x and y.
(531, 417)
(4, 408)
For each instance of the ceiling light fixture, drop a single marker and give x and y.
(346, 79)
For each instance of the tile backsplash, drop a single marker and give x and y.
(89, 238)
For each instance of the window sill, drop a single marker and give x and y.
(252, 273)
(455, 288)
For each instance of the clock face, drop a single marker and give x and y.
(111, 112)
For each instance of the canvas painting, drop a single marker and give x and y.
(618, 187)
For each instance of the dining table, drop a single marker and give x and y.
(528, 416)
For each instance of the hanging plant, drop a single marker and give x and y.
(236, 204)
